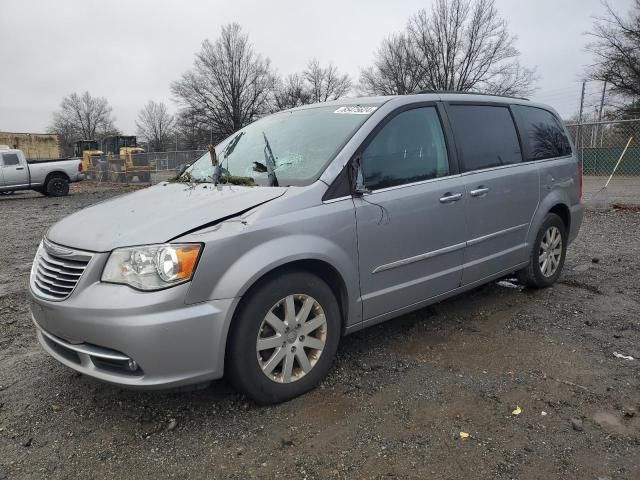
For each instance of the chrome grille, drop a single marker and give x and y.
(56, 270)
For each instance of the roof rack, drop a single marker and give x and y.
(469, 93)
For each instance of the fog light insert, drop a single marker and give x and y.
(122, 367)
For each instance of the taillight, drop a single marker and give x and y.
(579, 180)
(80, 167)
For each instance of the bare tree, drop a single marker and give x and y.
(395, 70)
(83, 117)
(191, 132)
(326, 83)
(616, 47)
(316, 84)
(229, 86)
(459, 45)
(291, 91)
(156, 125)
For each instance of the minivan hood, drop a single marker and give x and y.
(155, 215)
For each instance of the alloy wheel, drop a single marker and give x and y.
(550, 251)
(291, 338)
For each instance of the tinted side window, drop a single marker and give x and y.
(409, 148)
(486, 136)
(542, 133)
(10, 159)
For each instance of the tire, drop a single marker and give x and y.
(246, 358)
(57, 186)
(533, 274)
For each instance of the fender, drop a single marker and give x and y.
(557, 196)
(240, 251)
(260, 260)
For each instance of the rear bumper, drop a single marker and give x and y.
(577, 212)
(171, 343)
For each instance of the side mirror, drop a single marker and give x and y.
(357, 178)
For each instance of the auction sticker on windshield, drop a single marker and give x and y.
(356, 110)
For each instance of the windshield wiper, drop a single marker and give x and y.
(231, 146)
(270, 162)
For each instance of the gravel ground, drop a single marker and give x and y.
(620, 190)
(395, 403)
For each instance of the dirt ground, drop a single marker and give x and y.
(395, 403)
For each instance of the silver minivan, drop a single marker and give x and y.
(304, 226)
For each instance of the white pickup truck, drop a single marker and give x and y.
(50, 177)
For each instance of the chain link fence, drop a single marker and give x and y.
(146, 168)
(599, 146)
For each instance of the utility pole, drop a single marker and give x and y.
(580, 126)
(604, 91)
(601, 127)
(584, 84)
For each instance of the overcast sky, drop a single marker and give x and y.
(130, 51)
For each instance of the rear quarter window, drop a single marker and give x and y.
(485, 135)
(543, 135)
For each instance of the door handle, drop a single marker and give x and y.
(450, 197)
(479, 192)
(19, 168)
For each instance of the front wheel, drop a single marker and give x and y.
(547, 255)
(284, 338)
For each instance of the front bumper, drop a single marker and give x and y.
(100, 329)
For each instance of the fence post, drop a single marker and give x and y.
(581, 127)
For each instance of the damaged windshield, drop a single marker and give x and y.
(287, 148)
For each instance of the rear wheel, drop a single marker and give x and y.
(284, 338)
(57, 186)
(547, 255)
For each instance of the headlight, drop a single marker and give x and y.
(152, 267)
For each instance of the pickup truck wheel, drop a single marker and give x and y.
(284, 338)
(57, 186)
(547, 255)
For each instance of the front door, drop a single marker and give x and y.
(502, 191)
(411, 227)
(14, 172)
